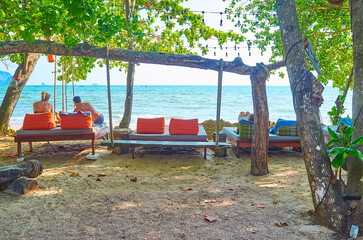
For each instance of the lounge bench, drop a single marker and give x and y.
(140, 143)
(273, 141)
(58, 134)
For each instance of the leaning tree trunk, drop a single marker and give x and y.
(23, 72)
(306, 91)
(261, 124)
(345, 92)
(125, 122)
(355, 166)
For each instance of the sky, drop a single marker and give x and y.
(150, 74)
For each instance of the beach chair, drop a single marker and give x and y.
(284, 134)
(41, 127)
(180, 133)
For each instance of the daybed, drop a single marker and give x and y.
(274, 140)
(41, 127)
(165, 139)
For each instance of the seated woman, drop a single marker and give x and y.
(243, 116)
(43, 105)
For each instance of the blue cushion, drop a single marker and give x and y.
(282, 122)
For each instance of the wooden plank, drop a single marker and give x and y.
(162, 143)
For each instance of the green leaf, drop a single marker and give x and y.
(355, 152)
(348, 132)
(357, 141)
(331, 142)
(333, 135)
(338, 160)
(336, 150)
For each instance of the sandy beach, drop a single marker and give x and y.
(158, 195)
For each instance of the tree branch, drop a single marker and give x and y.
(85, 50)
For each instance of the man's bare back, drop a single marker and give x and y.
(84, 107)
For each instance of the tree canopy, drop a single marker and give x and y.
(327, 26)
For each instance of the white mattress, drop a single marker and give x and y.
(202, 136)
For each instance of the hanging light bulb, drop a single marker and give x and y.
(226, 54)
(238, 55)
(249, 54)
(203, 18)
(220, 45)
(221, 23)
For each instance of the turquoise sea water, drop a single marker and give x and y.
(173, 101)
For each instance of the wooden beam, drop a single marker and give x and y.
(85, 50)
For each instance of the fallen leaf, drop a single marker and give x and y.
(252, 204)
(230, 189)
(101, 175)
(126, 166)
(189, 189)
(254, 232)
(133, 179)
(347, 213)
(127, 176)
(74, 174)
(260, 206)
(98, 179)
(274, 202)
(90, 175)
(278, 224)
(285, 224)
(209, 218)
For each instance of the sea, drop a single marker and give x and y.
(171, 101)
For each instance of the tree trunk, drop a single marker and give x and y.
(355, 166)
(345, 92)
(125, 122)
(306, 91)
(30, 169)
(261, 121)
(23, 72)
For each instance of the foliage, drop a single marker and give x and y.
(159, 26)
(335, 117)
(327, 27)
(345, 149)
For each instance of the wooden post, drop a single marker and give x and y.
(55, 82)
(109, 95)
(219, 99)
(62, 86)
(259, 148)
(74, 106)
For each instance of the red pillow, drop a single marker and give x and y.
(76, 121)
(184, 126)
(150, 125)
(39, 121)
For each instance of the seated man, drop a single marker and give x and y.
(96, 116)
(43, 105)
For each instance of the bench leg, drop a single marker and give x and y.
(238, 152)
(133, 152)
(30, 147)
(93, 147)
(205, 153)
(19, 149)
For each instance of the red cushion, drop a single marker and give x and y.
(76, 121)
(183, 126)
(150, 125)
(39, 121)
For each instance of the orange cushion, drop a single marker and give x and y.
(76, 121)
(183, 126)
(39, 121)
(150, 125)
